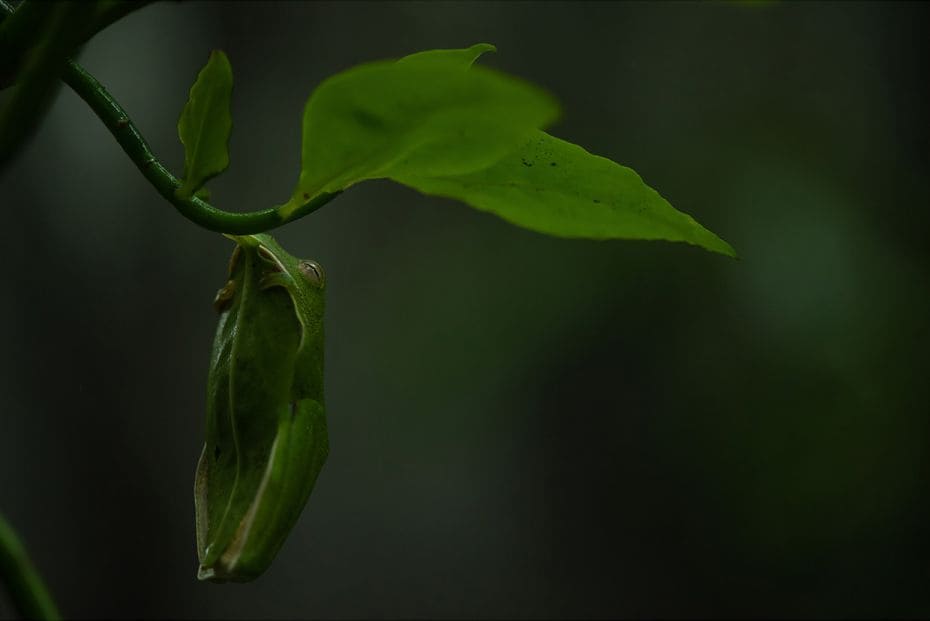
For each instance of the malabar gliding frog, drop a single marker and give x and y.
(266, 438)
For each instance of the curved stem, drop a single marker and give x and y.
(198, 211)
(120, 125)
(29, 594)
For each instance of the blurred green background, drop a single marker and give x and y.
(521, 426)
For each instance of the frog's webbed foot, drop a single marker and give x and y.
(224, 296)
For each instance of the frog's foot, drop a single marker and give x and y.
(224, 296)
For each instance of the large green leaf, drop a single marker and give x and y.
(206, 123)
(429, 114)
(434, 122)
(556, 187)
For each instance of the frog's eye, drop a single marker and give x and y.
(313, 272)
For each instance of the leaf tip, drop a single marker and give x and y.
(731, 252)
(714, 243)
(219, 56)
(480, 48)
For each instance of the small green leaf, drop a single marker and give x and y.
(556, 187)
(205, 124)
(428, 114)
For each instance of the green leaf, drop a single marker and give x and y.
(205, 124)
(556, 187)
(434, 122)
(428, 114)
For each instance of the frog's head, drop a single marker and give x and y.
(305, 273)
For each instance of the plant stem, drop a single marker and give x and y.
(127, 135)
(29, 594)
(117, 121)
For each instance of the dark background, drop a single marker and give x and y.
(521, 426)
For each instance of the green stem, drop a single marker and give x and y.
(194, 209)
(29, 594)
(132, 142)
